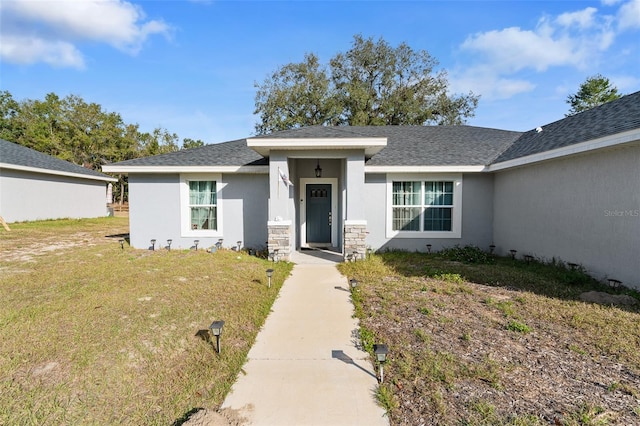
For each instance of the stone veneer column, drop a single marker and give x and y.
(355, 234)
(279, 233)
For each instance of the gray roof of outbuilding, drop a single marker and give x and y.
(605, 120)
(17, 155)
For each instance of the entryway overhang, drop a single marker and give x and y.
(263, 146)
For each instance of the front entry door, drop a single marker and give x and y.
(318, 212)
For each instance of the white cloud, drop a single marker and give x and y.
(52, 28)
(569, 40)
(28, 50)
(629, 15)
(484, 81)
(582, 18)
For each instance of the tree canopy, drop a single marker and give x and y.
(594, 91)
(79, 132)
(373, 83)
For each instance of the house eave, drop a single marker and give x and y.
(583, 147)
(56, 172)
(186, 169)
(426, 169)
(264, 146)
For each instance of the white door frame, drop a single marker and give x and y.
(303, 208)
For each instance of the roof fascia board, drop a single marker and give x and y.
(424, 169)
(186, 169)
(592, 145)
(264, 145)
(56, 172)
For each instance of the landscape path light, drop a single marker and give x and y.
(239, 245)
(269, 275)
(381, 352)
(169, 241)
(216, 330)
(195, 243)
(429, 248)
(153, 244)
(219, 244)
(353, 283)
(122, 244)
(492, 248)
(513, 253)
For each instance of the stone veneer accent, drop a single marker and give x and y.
(279, 239)
(354, 240)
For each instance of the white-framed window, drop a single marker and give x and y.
(424, 206)
(200, 206)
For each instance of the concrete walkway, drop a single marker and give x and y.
(305, 368)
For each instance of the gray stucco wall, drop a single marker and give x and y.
(26, 196)
(154, 211)
(477, 215)
(584, 209)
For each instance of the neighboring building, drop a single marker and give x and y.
(36, 186)
(568, 190)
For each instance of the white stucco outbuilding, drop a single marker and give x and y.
(36, 186)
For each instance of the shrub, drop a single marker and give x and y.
(467, 254)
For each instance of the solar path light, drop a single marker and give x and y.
(219, 244)
(428, 248)
(169, 241)
(381, 352)
(195, 243)
(122, 244)
(153, 244)
(269, 275)
(513, 253)
(492, 248)
(216, 330)
(353, 283)
(239, 245)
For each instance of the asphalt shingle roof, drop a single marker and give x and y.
(18, 155)
(233, 153)
(428, 145)
(406, 145)
(605, 120)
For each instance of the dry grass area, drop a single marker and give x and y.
(94, 334)
(496, 342)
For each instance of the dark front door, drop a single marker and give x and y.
(318, 213)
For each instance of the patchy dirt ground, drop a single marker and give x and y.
(460, 364)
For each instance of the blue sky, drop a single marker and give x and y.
(190, 66)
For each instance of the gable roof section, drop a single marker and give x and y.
(18, 157)
(605, 125)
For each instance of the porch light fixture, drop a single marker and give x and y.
(216, 330)
(122, 244)
(513, 253)
(169, 241)
(318, 169)
(195, 243)
(429, 248)
(153, 244)
(381, 352)
(269, 275)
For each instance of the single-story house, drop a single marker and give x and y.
(37, 186)
(568, 190)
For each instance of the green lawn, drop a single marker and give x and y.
(94, 334)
